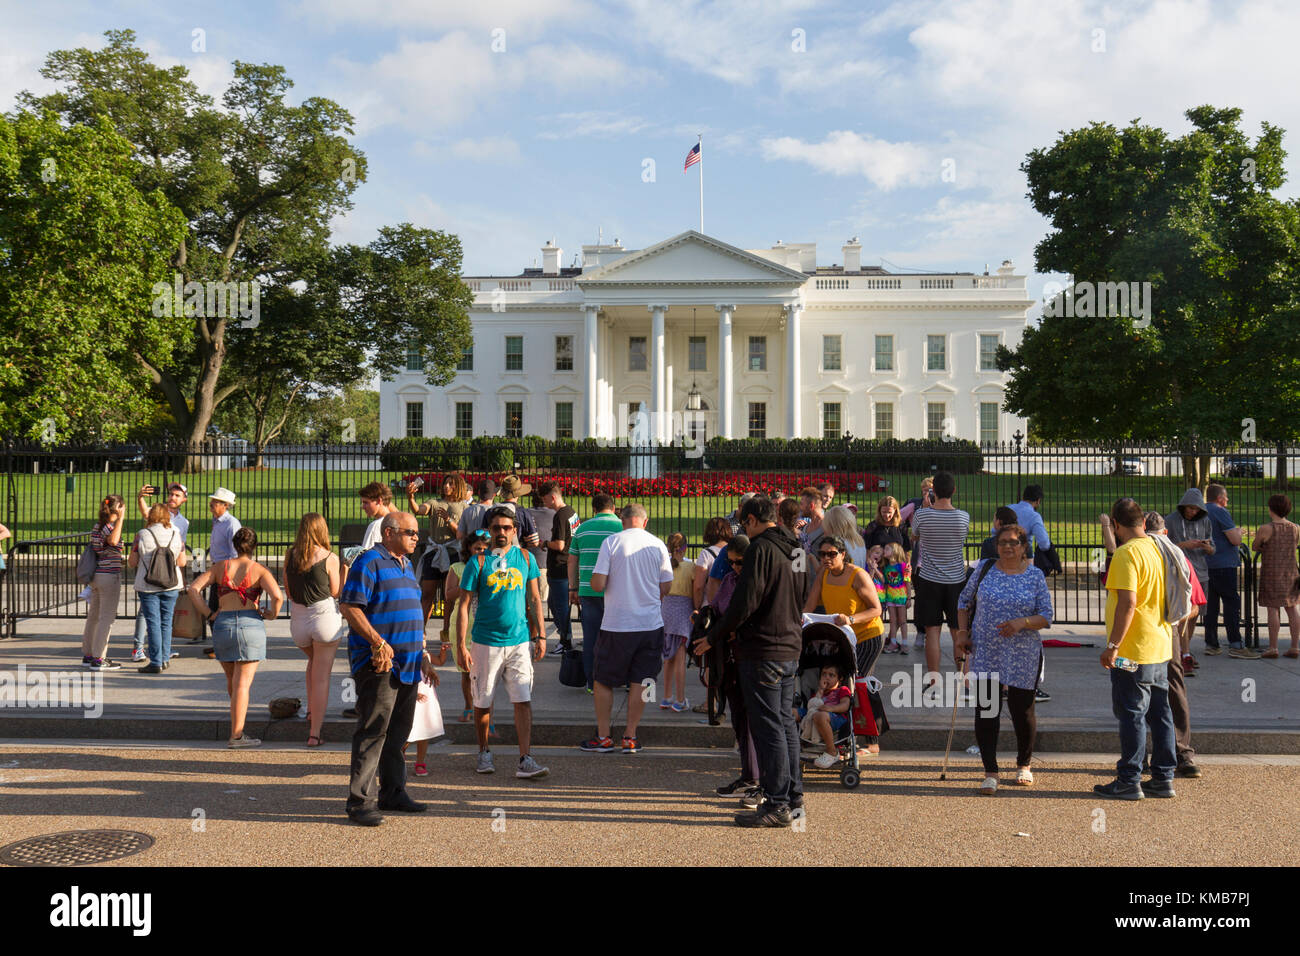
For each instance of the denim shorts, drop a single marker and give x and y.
(239, 636)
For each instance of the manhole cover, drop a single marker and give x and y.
(75, 848)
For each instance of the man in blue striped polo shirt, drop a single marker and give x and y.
(381, 603)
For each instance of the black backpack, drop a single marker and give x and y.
(161, 572)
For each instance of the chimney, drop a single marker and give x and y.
(852, 255)
(1006, 268)
(551, 258)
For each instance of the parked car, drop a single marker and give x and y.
(1242, 466)
(1131, 465)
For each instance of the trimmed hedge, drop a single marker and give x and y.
(533, 454)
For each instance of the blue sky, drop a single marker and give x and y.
(821, 121)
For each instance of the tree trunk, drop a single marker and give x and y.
(1281, 480)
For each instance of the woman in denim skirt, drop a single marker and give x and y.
(238, 628)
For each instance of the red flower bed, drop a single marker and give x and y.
(704, 484)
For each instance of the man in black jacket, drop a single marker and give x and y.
(765, 614)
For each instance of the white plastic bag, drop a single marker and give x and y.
(427, 724)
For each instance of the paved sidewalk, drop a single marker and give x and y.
(1237, 706)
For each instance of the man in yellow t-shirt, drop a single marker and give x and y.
(1136, 630)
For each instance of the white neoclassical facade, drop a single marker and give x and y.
(763, 342)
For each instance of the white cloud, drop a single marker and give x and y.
(597, 123)
(489, 149)
(846, 153)
(526, 16)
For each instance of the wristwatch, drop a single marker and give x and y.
(1112, 647)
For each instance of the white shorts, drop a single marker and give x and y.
(319, 622)
(514, 663)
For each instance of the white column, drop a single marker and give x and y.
(668, 397)
(657, 371)
(593, 378)
(793, 378)
(724, 369)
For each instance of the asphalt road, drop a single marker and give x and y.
(285, 806)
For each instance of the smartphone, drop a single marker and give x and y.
(151, 489)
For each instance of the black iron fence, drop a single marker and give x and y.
(52, 495)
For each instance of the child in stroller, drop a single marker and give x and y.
(825, 718)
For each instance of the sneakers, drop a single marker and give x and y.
(1243, 653)
(485, 762)
(666, 703)
(243, 741)
(1214, 651)
(989, 787)
(1041, 696)
(366, 818)
(630, 746)
(175, 654)
(766, 816)
(902, 647)
(740, 783)
(597, 745)
(752, 797)
(1119, 791)
(529, 768)
(421, 770)
(890, 647)
(87, 661)
(104, 664)
(826, 760)
(1187, 769)
(1164, 790)
(138, 656)
(681, 705)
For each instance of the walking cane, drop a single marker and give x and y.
(953, 725)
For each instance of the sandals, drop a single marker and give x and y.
(315, 738)
(1293, 653)
(988, 787)
(421, 770)
(1024, 777)
(1270, 654)
(466, 715)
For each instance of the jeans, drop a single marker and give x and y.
(558, 603)
(591, 611)
(386, 710)
(1140, 699)
(768, 689)
(1223, 587)
(156, 608)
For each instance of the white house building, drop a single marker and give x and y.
(764, 342)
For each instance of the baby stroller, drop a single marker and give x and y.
(828, 644)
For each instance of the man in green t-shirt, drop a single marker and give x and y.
(508, 610)
(584, 547)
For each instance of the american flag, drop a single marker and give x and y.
(692, 157)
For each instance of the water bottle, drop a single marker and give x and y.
(1124, 664)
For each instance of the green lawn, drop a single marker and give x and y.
(272, 500)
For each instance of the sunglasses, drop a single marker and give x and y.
(827, 554)
(1010, 543)
(736, 564)
(480, 533)
(502, 527)
(409, 533)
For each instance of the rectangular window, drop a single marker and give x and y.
(758, 353)
(466, 363)
(831, 420)
(884, 353)
(988, 353)
(414, 359)
(514, 419)
(757, 419)
(564, 419)
(514, 353)
(935, 413)
(988, 422)
(698, 359)
(464, 419)
(831, 353)
(884, 420)
(636, 353)
(936, 353)
(564, 353)
(415, 419)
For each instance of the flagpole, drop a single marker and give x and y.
(701, 139)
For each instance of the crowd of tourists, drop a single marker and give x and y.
(491, 558)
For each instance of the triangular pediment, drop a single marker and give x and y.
(691, 258)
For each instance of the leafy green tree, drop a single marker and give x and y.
(80, 248)
(1196, 217)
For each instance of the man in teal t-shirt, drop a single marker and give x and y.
(584, 548)
(509, 610)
